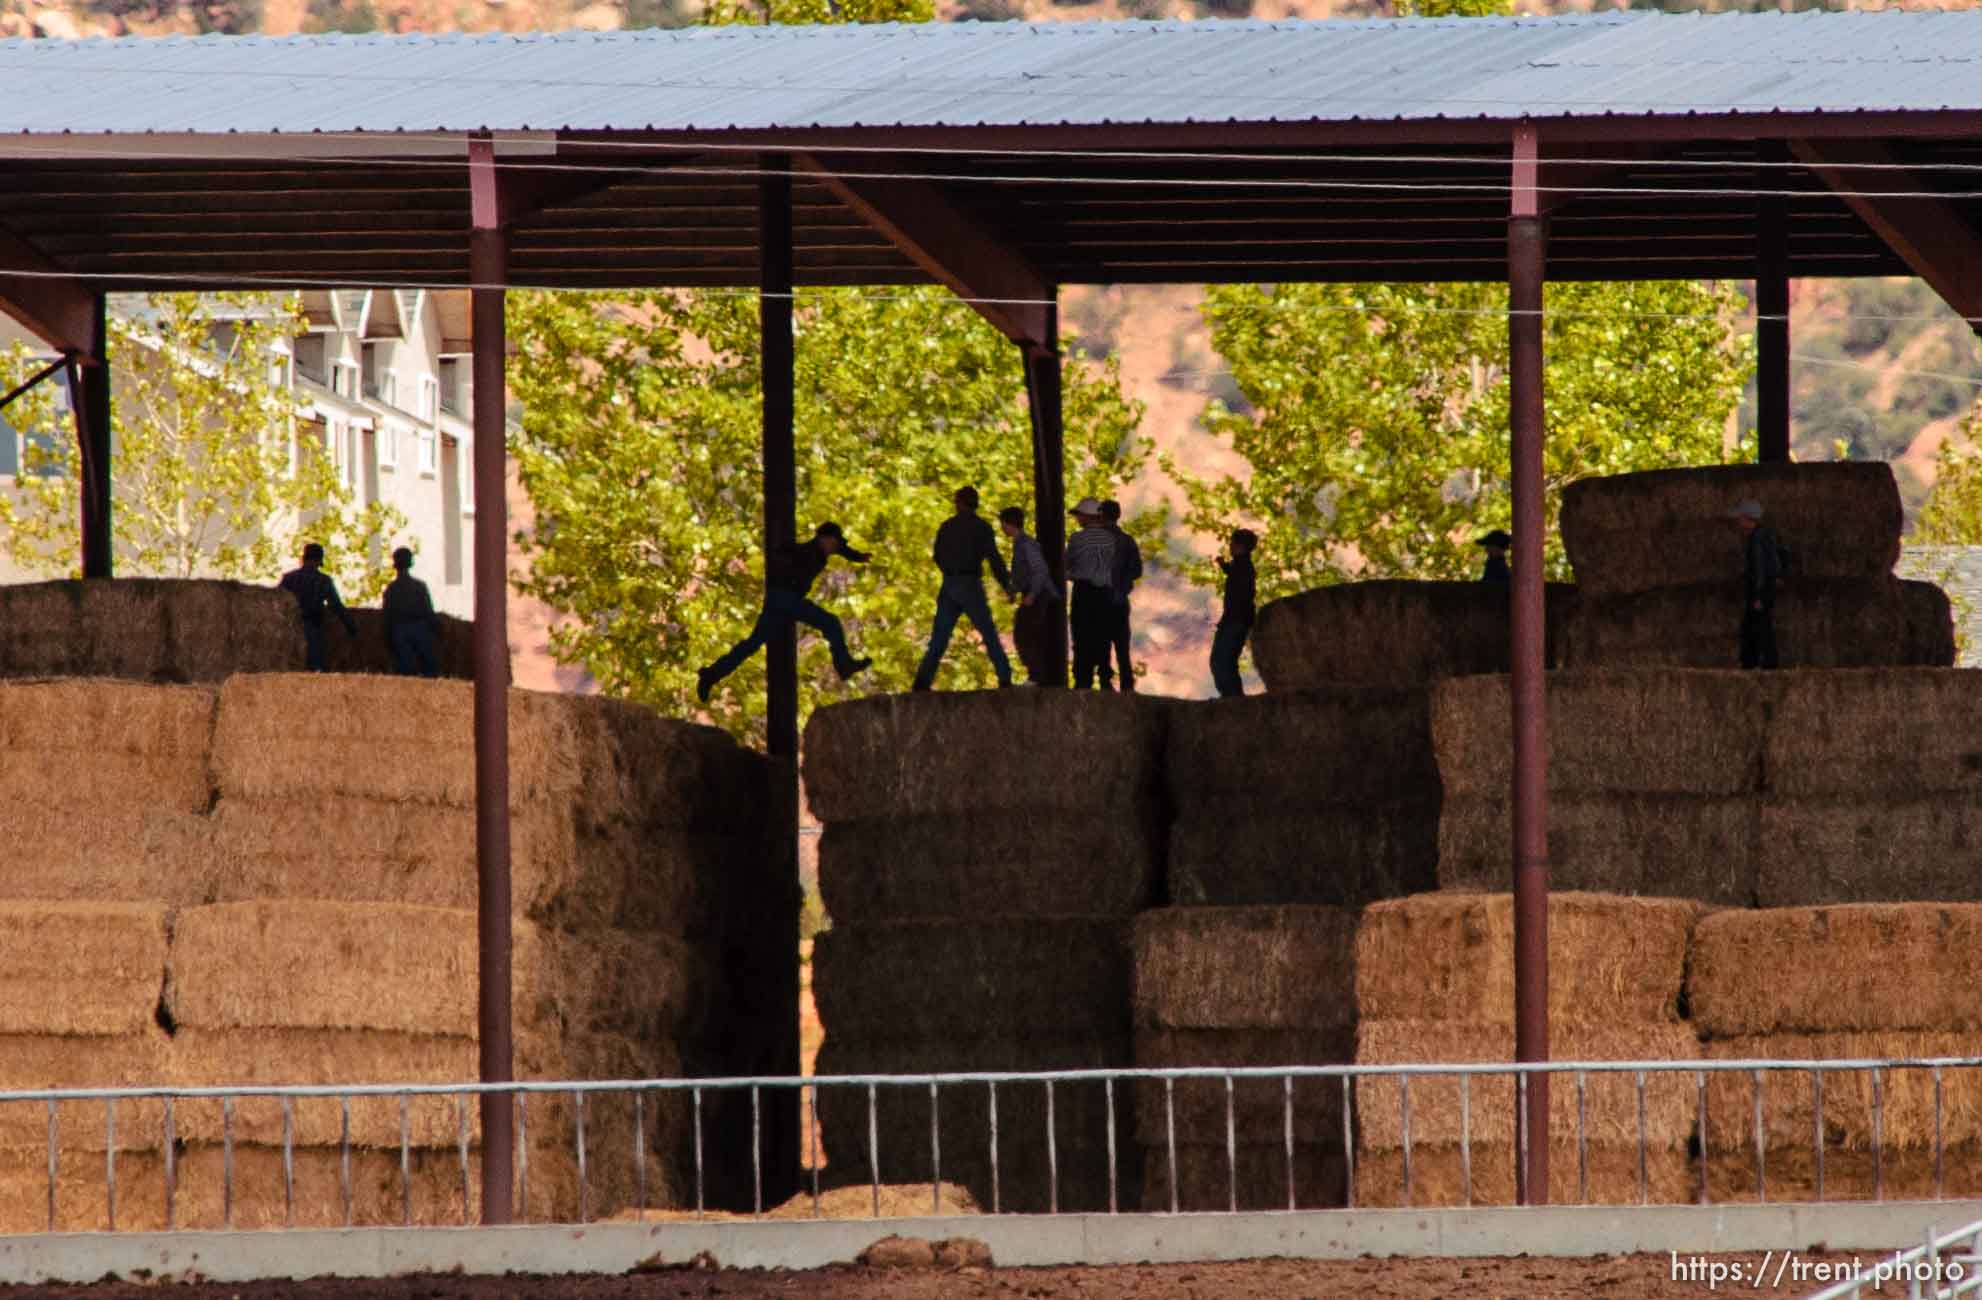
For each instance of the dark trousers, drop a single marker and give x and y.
(1758, 637)
(962, 598)
(313, 646)
(1032, 633)
(1093, 619)
(781, 609)
(1119, 639)
(1226, 644)
(413, 650)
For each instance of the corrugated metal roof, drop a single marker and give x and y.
(1000, 74)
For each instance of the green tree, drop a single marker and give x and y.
(213, 472)
(1952, 515)
(640, 449)
(1378, 436)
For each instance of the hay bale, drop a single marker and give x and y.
(1208, 1176)
(81, 968)
(640, 769)
(81, 1193)
(959, 867)
(1610, 1173)
(39, 630)
(1897, 1174)
(1869, 968)
(1906, 1111)
(1196, 1108)
(1669, 527)
(952, 753)
(34, 1062)
(1820, 623)
(134, 853)
(1337, 855)
(315, 965)
(914, 980)
(1869, 851)
(1391, 633)
(1246, 758)
(147, 743)
(317, 1183)
(1450, 957)
(1232, 968)
(1678, 846)
(1930, 638)
(381, 738)
(1610, 1099)
(369, 652)
(1643, 732)
(1899, 733)
(902, 1120)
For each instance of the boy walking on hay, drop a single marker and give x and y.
(1036, 593)
(1236, 623)
(410, 620)
(789, 573)
(1091, 572)
(1761, 569)
(964, 545)
(313, 590)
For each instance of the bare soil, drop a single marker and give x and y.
(1625, 1277)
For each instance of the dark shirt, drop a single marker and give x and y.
(796, 567)
(1239, 591)
(407, 601)
(1497, 570)
(313, 590)
(1761, 566)
(1128, 564)
(964, 545)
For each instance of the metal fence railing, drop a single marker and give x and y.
(1937, 1269)
(1821, 1130)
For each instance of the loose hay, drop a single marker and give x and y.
(81, 968)
(1868, 968)
(1663, 732)
(1390, 633)
(1906, 1117)
(1820, 851)
(915, 980)
(1450, 957)
(1340, 855)
(996, 863)
(1898, 733)
(1245, 968)
(967, 752)
(1819, 623)
(1610, 1173)
(1664, 528)
(1197, 1108)
(1610, 1098)
(1675, 846)
(1247, 758)
(1210, 1179)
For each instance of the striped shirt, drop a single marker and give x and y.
(1030, 576)
(1091, 557)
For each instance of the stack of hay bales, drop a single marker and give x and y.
(1326, 795)
(1658, 566)
(1850, 982)
(1434, 982)
(194, 630)
(640, 870)
(1872, 785)
(982, 858)
(1393, 633)
(1654, 782)
(1243, 986)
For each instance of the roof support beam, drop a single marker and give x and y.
(1933, 239)
(950, 244)
(54, 306)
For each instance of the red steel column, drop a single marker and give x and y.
(89, 397)
(1772, 426)
(1049, 477)
(488, 261)
(1526, 242)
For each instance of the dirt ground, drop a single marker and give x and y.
(1626, 1277)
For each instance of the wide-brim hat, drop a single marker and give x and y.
(1088, 508)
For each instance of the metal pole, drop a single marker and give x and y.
(1049, 480)
(89, 395)
(1772, 322)
(781, 1154)
(488, 257)
(1526, 240)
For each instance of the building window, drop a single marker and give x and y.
(312, 358)
(344, 380)
(429, 399)
(429, 451)
(370, 355)
(388, 446)
(453, 391)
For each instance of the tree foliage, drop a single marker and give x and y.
(1952, 515)
(1378, 436)
(641, 452)
(210, 476)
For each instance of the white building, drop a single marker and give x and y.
(383, 378)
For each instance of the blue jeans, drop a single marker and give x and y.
(413, 650)
(781, 609)
(313, 646)
(1226, 643)
(962, 598)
